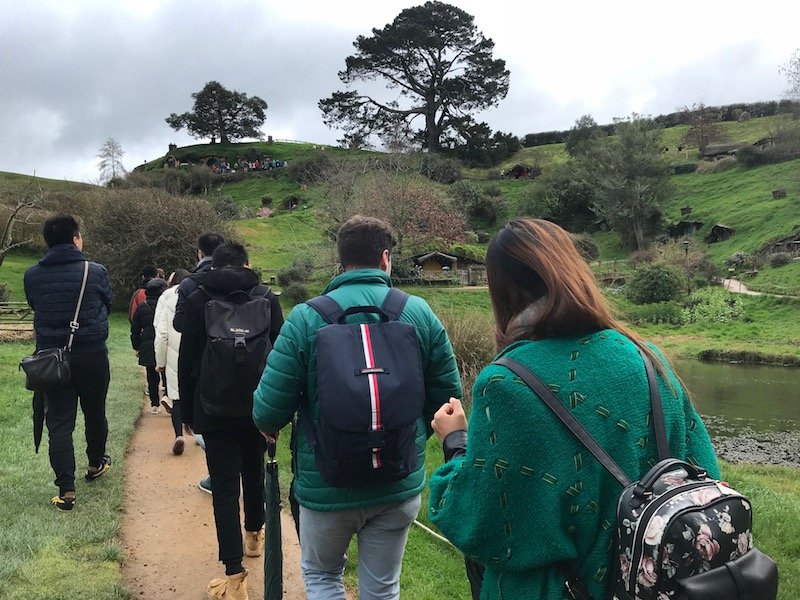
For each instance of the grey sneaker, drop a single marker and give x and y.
(205, 485)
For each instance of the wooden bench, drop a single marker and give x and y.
(16, 315)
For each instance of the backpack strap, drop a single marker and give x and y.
(657, 408)
(394, 303)
(327, 308)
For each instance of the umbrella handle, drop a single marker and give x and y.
(271, 449)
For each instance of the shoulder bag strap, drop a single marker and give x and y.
(327, 308)
(74, 325)
(566, 417)
(657, 408)
(394, 303)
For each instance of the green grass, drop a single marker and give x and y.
(46, 554)
(776, 280)
(17, 181)
(11, 272)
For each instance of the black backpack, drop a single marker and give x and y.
(370, 394)
(680, 534)
(237, 345)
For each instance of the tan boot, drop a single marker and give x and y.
(254, 542)
(233, 587)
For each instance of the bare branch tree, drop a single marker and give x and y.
(22, 208)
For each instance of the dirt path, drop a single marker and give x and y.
(168, 528)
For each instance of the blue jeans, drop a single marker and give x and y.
(381, 532)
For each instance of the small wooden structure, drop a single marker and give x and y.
(435, 262)
(720, 233)
(684, 228)
(778, 194)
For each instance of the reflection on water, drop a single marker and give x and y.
(736, 397)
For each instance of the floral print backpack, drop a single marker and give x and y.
(680, 534)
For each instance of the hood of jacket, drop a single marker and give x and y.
(61, 254)
(229, 279)
(154, 288)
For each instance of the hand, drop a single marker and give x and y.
(159, 369)
(449, 418)
(272, 438)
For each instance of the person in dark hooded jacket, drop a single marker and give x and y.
(52, 287)
(143, 336)
(234, 447)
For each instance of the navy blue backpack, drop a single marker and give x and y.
(370, 394)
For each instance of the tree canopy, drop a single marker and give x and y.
(792, 72)
(629, 177)
(218, 112)
(440, 66)
(110, 156)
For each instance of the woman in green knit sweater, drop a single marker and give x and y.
(518, 493)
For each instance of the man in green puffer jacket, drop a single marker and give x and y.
(379, 515)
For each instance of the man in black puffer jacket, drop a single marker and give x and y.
(51, 288)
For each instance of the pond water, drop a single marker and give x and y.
(752, 412)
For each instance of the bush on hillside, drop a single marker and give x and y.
(266, 200)
(298, 271)
(713, 305)
(156, 228)
(658, 313)
(440, 168)
(717, 166)
(586, 246)
(311, 170)
(225, 207)
(779, 259)
(295, 293)
(654, 283)
(475, 202)
(473, 345)
(5, 293)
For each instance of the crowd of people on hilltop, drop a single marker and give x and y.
(246, 166)
(365, 374)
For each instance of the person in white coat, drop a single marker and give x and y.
(167, 343)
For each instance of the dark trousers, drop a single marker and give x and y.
(176, 417)
(90, 377)
(153, 381)
(232, 456)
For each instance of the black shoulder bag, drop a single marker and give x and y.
(49, 368)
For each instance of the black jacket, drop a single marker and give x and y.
(187, 287)
(52, 287)
(143, 332)
(193, 341)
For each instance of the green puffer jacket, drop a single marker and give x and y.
(292, 369)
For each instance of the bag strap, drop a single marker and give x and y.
(394, 303)
(566, 417)
(74, 325)
(327, 308)
(656, 408)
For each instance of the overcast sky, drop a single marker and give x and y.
(74, 73)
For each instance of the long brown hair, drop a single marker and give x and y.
(535, 261)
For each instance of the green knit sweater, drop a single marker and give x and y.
(526, 495)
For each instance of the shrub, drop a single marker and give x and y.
(472, 199)
(440, 168)
(494, 174)
(740, 260)
(717, 166)
(225, 207)
(295, 292)
(779, 259)
(659, 313)
(654, 283)
(713, 305)
(586, 246)
(266, 200)
(310, 170)
(404, 268)
(298, 271)
(684, 169)
(156, 228)
(5, 293)
(473, 344)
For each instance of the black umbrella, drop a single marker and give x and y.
(273, 554)
(38, 418)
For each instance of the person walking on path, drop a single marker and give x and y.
(52, 287)
(206, 244)
(138, 296)
(220, 405)
(519, 493)
(167, 344)
(143, 335)
(379, 515)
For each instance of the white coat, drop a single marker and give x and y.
(168, 340)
